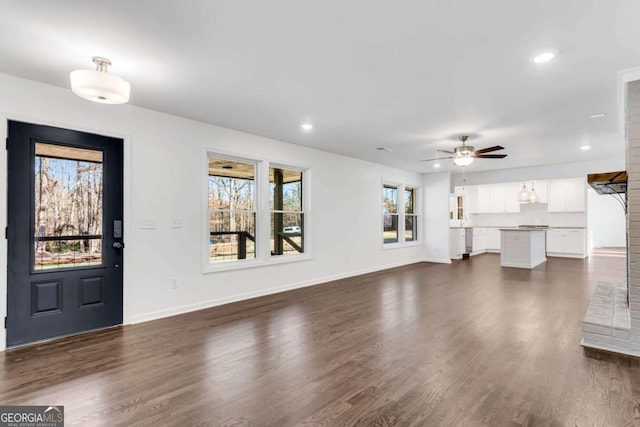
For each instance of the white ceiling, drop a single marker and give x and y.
(410, 75)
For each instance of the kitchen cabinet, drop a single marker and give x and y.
(479, 239)
(456, 242)
(479, 198)
(567, 242)
(511, 203)
(566, 195)
(493, 239)
(496, 198)
(522, 248)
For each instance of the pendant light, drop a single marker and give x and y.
(524, 194)
(533, 196)
(100, 86)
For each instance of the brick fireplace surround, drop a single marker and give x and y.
(609, 324)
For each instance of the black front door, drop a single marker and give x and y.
(64, 232)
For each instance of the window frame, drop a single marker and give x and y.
(303, 207)
(262, 213)
(402, 242)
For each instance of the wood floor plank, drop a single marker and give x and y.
(469, 343)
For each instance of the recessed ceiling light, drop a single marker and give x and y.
(597, 116)
(306, 126)
(585, 147)
(383, 149)
(543, 57)
(436, 165)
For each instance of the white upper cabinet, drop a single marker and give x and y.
(483, 201)
(566, 195)
(496, 198)
(511, 203)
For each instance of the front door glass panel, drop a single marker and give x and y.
(68, 204)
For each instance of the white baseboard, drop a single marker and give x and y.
(563, 255)
(438, 260)
(158, 314)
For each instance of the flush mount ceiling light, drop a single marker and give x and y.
(436, 165)
(306, 126)
(543, 57)
(585, 147)
(597, 116)
(100, 86)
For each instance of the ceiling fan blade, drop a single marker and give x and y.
(445, 151)
(489, 149)
(490, 156)
(439, 158)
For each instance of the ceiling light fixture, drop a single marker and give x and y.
(436, 165)
(463, 161)
(383, 149)
(100, 86)
(597, 116)
(543, 57)
(306, 126)
(585, 147)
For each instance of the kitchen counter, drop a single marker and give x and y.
(522, 247)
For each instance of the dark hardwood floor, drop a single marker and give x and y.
(427, 344)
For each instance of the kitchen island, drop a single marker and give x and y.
(522, 247)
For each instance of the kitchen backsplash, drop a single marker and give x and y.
(535, 214)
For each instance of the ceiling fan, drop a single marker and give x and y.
(464, 155)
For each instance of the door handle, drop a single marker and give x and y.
(118, 245)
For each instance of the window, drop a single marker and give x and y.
(232, 210)
(410, 216)
(399, 206)
(255, 213)
(287, 215)
(390, 213)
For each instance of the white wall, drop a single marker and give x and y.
(607, 222)
(436, 213)
(163, 179)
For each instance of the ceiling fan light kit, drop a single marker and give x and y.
(100, 86)
(465, 154)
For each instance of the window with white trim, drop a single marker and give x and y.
(232, 210)
(287, 211)
(256, 212)
(400, 213)
(410, 215)
(390, 213)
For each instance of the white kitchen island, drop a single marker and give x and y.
(522, 247)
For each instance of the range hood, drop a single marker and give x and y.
(608, 182)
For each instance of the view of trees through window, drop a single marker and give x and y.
(68, 207)
(287, 216)
(396, 210)
(390, 213)
(232, 213)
